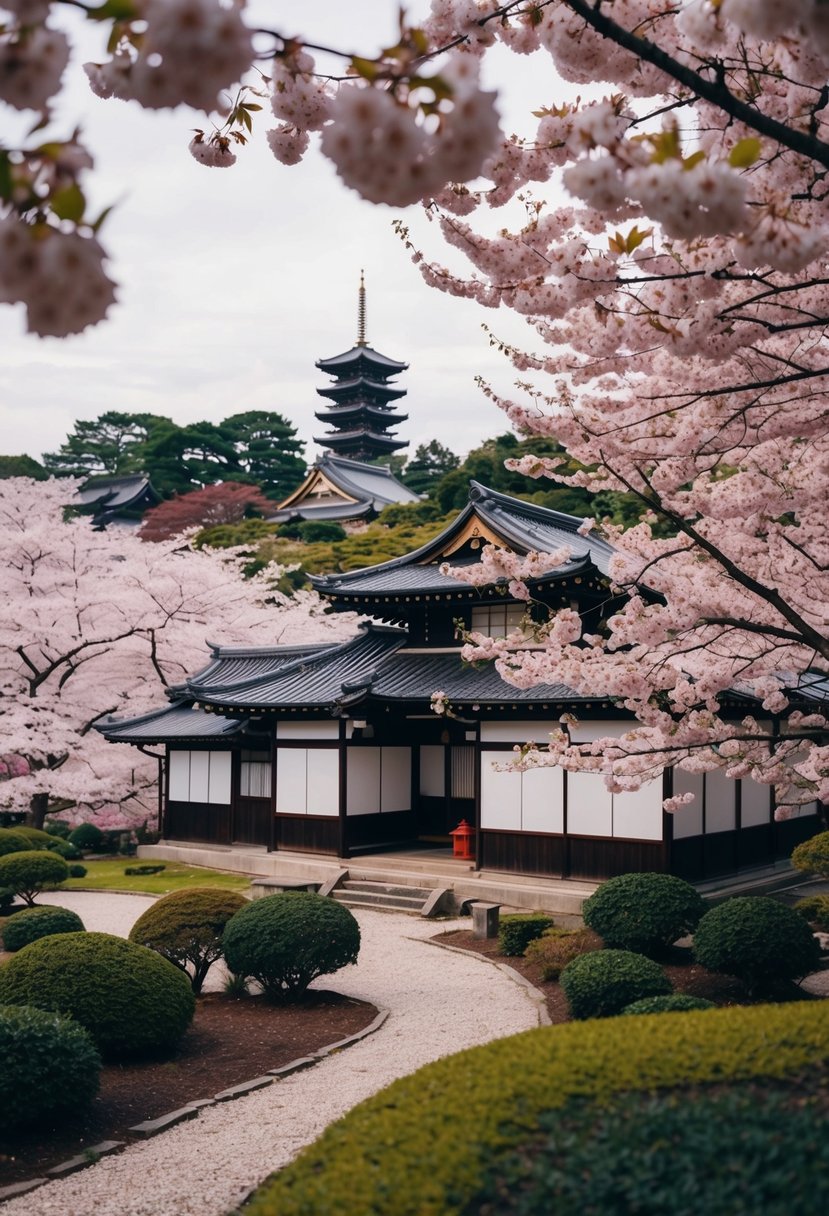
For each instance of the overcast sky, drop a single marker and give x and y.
(233, 282)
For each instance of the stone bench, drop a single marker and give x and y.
(276, 886)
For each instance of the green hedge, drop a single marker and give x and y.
(87, 836)
(421, 1146)
(759, 940)
(815, 910)
(603, 983)
(518, 929)
(12, 841)
(710, 1154)
(132, 1001)
(49, 1067)
(645, 913)
(812, 856)
(674, 1002)
(33, 923)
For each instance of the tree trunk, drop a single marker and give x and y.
(38, 807)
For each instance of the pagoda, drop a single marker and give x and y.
(361, 400)
(347, 484)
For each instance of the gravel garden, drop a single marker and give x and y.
(682, 1017)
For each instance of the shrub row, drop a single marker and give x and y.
(518, 929)
(370, 1163)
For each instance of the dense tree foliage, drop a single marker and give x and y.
(258, 446)
(430, 463)
(228, 502)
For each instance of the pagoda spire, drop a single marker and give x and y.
(361, 313)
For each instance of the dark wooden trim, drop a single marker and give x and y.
(272, 841)
(667, 820)
(566, 859)
(342, 793)
(476, 822)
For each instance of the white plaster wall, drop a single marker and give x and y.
(308, 730)
(363, 781)
(219, 777)
(638, 816)
(179, 766)
(432, 774)
(291, 780)
(396, 779)
(589, 805)
(755, 804)
(323, 782)
(688, 820)
(542, 800)
(720, 803)
(500, 794)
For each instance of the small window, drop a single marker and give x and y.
(497, 620)
(255, 775)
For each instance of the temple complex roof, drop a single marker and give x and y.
(488, 518)
(336, 488)
(108, 498)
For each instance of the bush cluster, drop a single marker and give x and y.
(645, 913)
(186, 928)
(815, 910)
(88, 837)
(812, 856)
(28, 872)
(603, 983)
(12, 841)
(556, 949)
(518, 929)
(371, 1160)
(37, 839)
(33, 923)
(675, 1002)
(132, 1001)
(49, 1067)
(285, 941)
(759, 940)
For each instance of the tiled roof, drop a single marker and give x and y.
(171, 722)
(112, 492)
(317, 679)
(364, 383)
(365, 354)
(414, 676)
(521, 526)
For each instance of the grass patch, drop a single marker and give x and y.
(108, 875)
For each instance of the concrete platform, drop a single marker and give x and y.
(436, 868)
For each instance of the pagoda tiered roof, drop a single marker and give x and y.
(358, 388)
(362, 360)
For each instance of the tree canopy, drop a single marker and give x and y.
(258, 446)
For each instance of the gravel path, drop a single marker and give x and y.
(440, 1002)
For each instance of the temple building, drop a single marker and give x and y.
(346, 483)
(120, 500)
(337, 750)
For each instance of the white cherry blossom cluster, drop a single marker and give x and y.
(382, 151)
(189, 52)
(59, 276)
(212, 150)
(32, 62)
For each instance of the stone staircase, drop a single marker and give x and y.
(385, 896)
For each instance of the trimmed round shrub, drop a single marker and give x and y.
(813, 855)
(815, 910)
(675, 1002)
(77, 871)
(33, 923)
(37, 838)
(12, 841)
(87, 837)
(603, 983)
(645, 913)
(6, 898)
(518, 929)
(49, 1067)
(64, 849)
(29, 872)
(757, 939)
(132, 1001)
(186, 928)
(57, 827)
(286, 941)
(371, 1160)
(556, 949)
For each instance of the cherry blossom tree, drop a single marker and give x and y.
(676, 288)
(93, 623)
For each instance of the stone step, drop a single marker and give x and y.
(376, 899)
(387, 888)
(354, 902)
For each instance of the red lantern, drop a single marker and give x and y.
(463, 841)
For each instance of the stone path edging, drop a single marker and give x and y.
(162, 1123)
